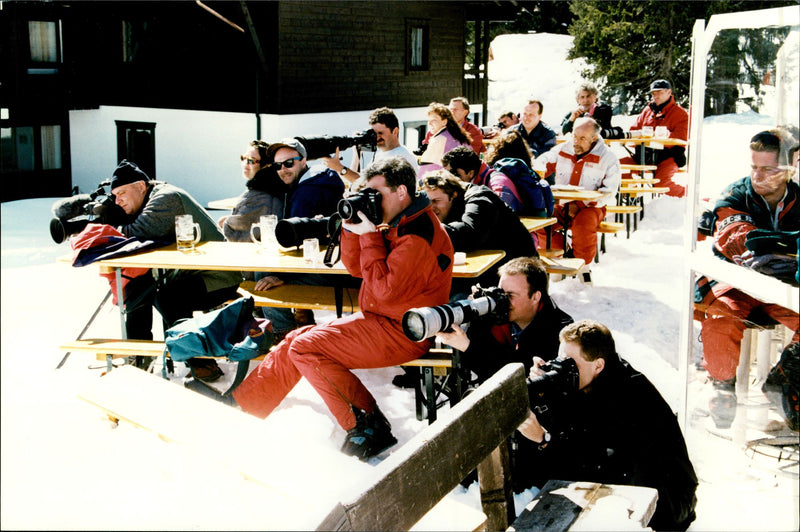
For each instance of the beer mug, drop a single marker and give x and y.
(662, 132)
(647, 131)
(185, 232)
(311, 250)
(266, 226)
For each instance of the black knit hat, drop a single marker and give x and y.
(126, 173)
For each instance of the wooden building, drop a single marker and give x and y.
(86, 84)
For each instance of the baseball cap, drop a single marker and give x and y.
(294, 144)
(660, 84)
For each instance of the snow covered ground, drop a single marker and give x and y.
(65, 467)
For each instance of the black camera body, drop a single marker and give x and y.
(548, 391)
(73, 214)
(366, 200)
(325, 145)
(422, 323)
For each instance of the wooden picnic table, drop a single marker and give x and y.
(533, 223)
(226, 204)
(565, 195)
(248, 256)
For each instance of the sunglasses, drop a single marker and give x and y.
(288, 163)
(248, 160)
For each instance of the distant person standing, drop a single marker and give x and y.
(663, 110)
(539, 136)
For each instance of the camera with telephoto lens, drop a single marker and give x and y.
(424, 322)
(290, 232)
(325, 145)
(73, 214)
(366, 200)
(548, 391)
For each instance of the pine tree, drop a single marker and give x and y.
(628, 44)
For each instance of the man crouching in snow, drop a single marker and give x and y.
(405, 262)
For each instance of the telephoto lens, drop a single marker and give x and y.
(425, 322)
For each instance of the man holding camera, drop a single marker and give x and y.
(152, 207)
(384, 123)
(405, 259)
(529, 330)
(607, 424)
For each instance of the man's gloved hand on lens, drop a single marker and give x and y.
(363, 227)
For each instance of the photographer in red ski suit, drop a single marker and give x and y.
(405, 262)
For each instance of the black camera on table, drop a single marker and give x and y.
(367, 201)
(73, 214)
(424, 322)
(549, 391)
(325, 145)
(290, 232)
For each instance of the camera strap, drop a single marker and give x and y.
(334, 243)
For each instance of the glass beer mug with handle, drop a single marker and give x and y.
(266, 226)
(185, 228)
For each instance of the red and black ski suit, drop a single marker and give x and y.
(409, 265)
(739, 211)
(676, 120)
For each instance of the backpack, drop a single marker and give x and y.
(534, 193)
(230, 331)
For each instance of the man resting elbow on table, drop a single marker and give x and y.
(405, 262)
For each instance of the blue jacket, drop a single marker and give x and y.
(318, 191)
(541, 139)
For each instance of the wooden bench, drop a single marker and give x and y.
(634, 191)
(627, 211)
(639, 181)
(604, 229)
(437, 362)
(301, 296)
(568, 267)
(638, 167)
(401, 491)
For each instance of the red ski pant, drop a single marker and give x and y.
(665, 171)
(724, 327)
(324, 355)
(584, 227)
